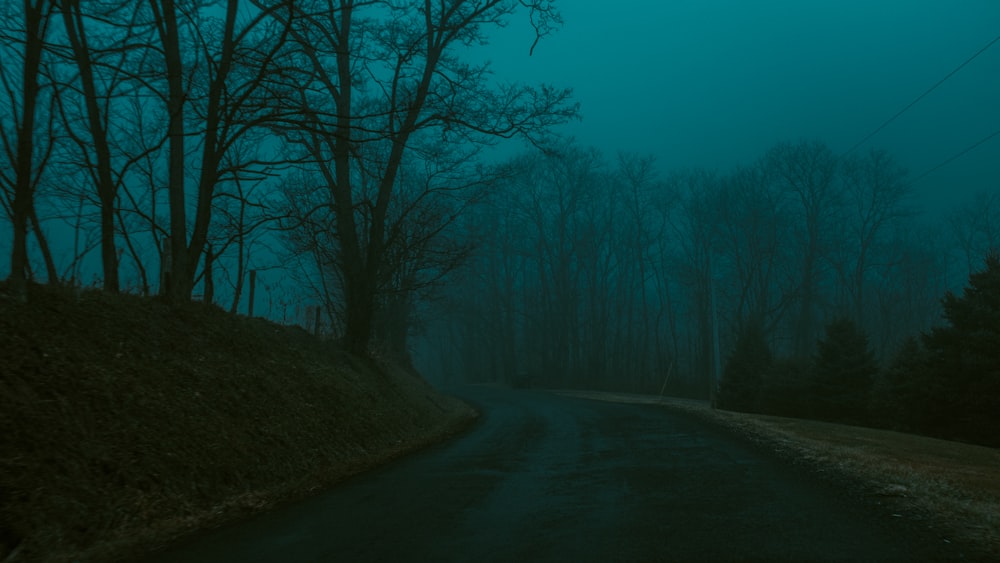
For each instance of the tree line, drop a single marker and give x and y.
(944, 381)
(174, 136)
(603, 272)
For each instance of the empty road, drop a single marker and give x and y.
(543, 477)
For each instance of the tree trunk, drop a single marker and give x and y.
(43, 246)
(106, 189)
(181, 278)
(35, 15)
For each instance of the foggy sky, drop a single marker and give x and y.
(715, 83)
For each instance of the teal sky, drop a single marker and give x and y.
(715, 83)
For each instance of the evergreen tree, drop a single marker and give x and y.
(742, 375)
(903, 395)
(786, 389)
(843, 371)
(965, 358)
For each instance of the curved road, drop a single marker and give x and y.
(543, 477)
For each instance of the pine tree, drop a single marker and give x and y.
(786, 389)
(904, 395)
(965, 359)
(843, 371)
(741, 378)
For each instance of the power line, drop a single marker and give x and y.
(956, 156)
(921, 96)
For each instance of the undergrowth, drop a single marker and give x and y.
(126, 422)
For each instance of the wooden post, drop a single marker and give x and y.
(253, 291)
(166, 266)
(209, 283)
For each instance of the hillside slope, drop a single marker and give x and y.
(125, 423)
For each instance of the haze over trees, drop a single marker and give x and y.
(346, 149)
(596, 272)
(784, 286)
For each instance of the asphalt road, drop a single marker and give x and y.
(543, 477)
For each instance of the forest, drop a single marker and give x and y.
(784, 286)
(347, 152)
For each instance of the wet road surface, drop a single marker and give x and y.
(543, 477)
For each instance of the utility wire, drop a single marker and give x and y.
(956, 156)
(921, 96)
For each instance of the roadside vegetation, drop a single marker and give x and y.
(126, 422)
(943, 383)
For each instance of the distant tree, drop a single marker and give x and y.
(843, 371)
(975, 227)
(807, 171)
(745, 367)
(876, 192)
(965, 356)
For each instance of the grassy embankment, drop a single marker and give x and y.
(125, 423)
(952, 487)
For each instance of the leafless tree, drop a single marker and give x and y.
(876, 193)
(807, 172)
(976, 227)
(384, 77)
(212, 78)
(27, 131)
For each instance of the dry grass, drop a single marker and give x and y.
(125, 423)
(956, 485)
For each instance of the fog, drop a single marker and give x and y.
(665, 201)
(715, 83)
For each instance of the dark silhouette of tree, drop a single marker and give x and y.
(975, 227)
(876, 193)
(965, 357)
(28, 145)
(212, 78)
(745, 369)
(843, 372)
(95, 144)
(385, 85)
(904, 394)
(786, 388)
(807, 172)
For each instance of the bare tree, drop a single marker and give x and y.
(807, 171)
(385, 75)
(876, 192)
(27, 148)
(102, 66)
(213, 80)
(976, 227)
(753, 229)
